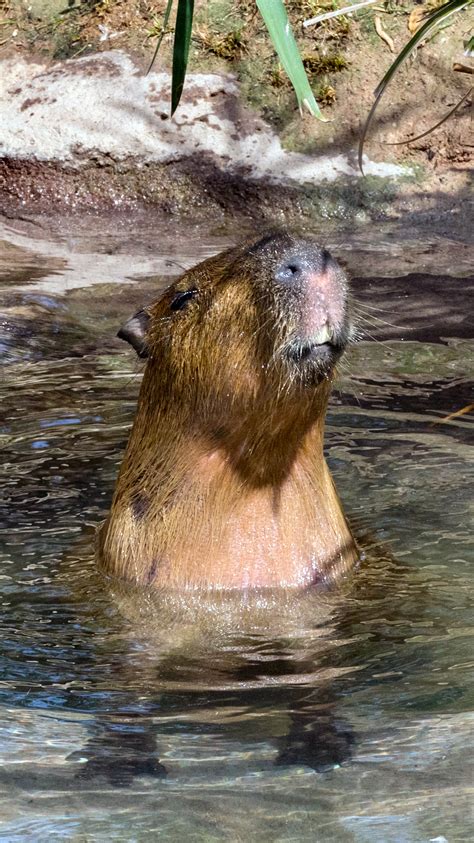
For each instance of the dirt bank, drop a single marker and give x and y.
(84, 127)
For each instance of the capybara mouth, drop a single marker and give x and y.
(320, 352)
(315, 351)
(314, 358)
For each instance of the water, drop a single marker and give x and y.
(336, 717)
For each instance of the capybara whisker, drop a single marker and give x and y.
(371, 319)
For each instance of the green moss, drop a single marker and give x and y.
(52, 28)
(367, 28)
(418, 173)
(276, 103)
(66, 40)
(317, 64)
(220, 16)
(228, 46)
(351, 200)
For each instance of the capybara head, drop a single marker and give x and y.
(255, 327)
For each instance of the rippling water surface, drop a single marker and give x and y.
(336, 717)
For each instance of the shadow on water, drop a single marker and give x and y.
(337, 716)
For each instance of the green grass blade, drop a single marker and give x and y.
(166, 18)
(182, 41)
(433, 20)
(276, 20)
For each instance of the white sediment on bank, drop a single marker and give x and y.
(103, 108)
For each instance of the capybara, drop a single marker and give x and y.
(224, 484)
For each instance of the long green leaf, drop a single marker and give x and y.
(276, 20)
(182, 41)
(433, 20)
(166, 18)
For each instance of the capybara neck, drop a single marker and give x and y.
(224, 484)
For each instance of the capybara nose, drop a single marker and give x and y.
(296, 268)
(289, 271)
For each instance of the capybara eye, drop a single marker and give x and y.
(180, 301)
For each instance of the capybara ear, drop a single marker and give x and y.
(134, 332)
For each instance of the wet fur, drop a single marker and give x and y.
(224, 482)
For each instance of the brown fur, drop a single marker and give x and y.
(224, 482)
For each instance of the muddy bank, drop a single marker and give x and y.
(120, 148)
(84, 127)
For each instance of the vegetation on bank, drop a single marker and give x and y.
(343, 56)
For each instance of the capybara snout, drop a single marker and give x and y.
(314, 307)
